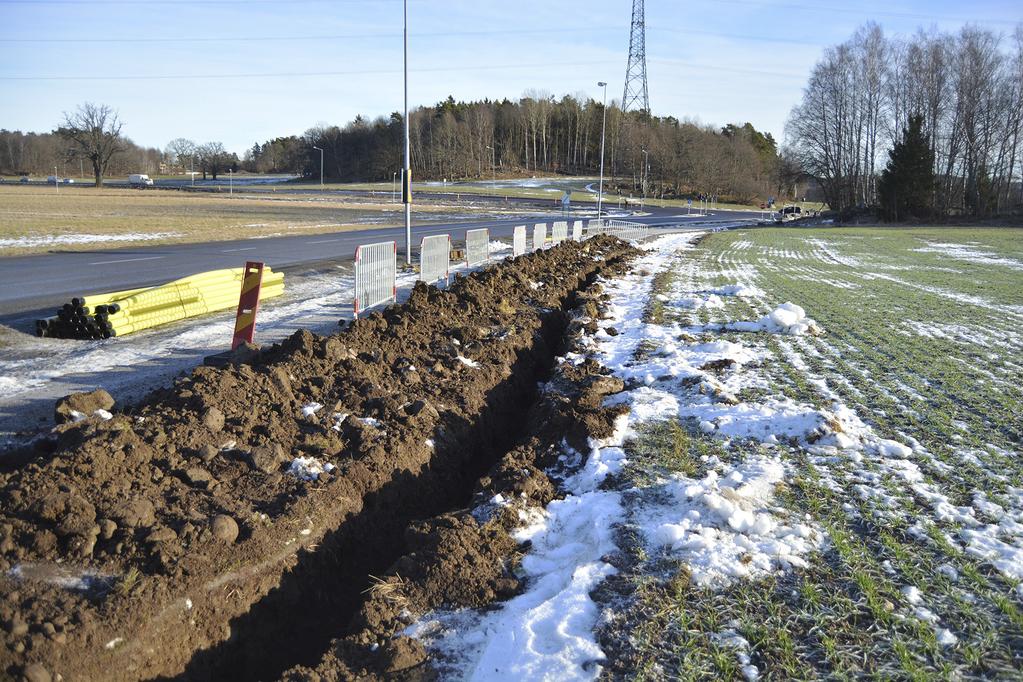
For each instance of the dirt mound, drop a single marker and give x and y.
(227, 527)
(467, 558)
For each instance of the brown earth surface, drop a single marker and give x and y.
(171, 541)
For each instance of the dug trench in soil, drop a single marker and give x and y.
(466, 557)
(294, 622)
(131, 544)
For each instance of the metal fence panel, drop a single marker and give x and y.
(559, 232)
(477, 246)
(435, 258)
(623, 229)
(539, 236)
(577, 230)
(376, 270)
(519, 241)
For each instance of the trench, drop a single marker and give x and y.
(316, 601)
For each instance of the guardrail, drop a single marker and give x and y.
(435, 258)
(539, 236)
(477, 246)
(519, 241)
(376, 271)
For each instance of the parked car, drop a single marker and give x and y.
(52, 180)
(24, 179)
(140, 180)
(69, 181)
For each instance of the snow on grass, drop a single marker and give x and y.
(971, 253)
(65, 239)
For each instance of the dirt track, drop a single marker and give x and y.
(186, 549)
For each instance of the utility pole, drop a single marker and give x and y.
(321, 166)
(635, 72)
(56, 181)
(646, 166)
(493, 166)
(406, 178)
(603, 127)
(394, 187)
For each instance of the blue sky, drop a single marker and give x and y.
(241, 71)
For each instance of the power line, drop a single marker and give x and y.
(351, 36)
(296, 74)
(861, 11)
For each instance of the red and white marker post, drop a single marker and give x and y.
(248, 304)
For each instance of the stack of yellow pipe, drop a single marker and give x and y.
(124, 312)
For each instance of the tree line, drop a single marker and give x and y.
(27, 153)
(543, 135)
(875, 96)
(538, 134)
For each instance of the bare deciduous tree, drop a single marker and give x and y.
(95, 130)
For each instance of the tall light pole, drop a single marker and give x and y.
(56, 181)
(646, 165)
(603, 126)
(493, 166)
(394, 187)
(406, 179)
(321, 165)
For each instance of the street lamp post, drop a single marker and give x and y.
(230, 182)
(603, 126)
(406, 179)
(493, 166)
(646, 166)
(321, 165)
(56, 181)
(394, 187)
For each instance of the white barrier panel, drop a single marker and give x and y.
(539, 236)
(435, 258)
(559, 232)
(622, 229)
(577, 231)
(519, 241)
(477, 246)
(376, 269)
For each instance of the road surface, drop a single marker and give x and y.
(44, 281)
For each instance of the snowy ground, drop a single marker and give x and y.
(819, 473)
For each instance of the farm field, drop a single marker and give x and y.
(36, 219)
(753, 454)
(850, 484)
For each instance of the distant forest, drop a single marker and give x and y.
(539, 134)
(38, 154)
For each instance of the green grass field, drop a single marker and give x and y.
(919, 576)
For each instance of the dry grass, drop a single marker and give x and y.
(32, 212)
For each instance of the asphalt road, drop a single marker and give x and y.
(44, 281)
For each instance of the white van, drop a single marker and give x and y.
(140, 180)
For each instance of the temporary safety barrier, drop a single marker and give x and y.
(622, 229)
(477, 246)
(539, 236)
(559, 232)
(376, 272)
(118, 313)
(577, 230)
(435, 258)
(248, 305)
(519, 241)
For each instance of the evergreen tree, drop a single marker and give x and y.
(907, 184)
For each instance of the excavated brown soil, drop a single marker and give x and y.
(171, 541)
